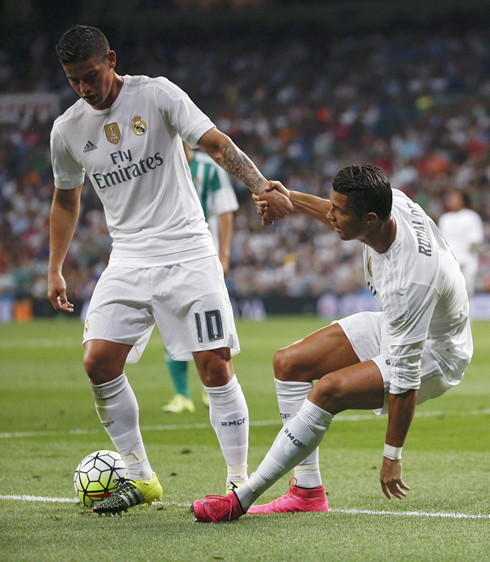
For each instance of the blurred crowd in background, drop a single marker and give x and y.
(301, 106)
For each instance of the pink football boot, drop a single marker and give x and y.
(214, 509)
(297, 499)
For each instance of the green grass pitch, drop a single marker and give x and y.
(48, 424)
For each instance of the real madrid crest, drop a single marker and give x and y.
(139, 126)
(370, 266)
(112, 133)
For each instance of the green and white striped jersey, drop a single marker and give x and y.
(214, 189)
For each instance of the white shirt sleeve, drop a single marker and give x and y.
(408, 310)
(181, 113)
(405, 366)
(67, 172)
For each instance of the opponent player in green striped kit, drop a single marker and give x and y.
(219, 202)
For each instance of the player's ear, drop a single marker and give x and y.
(371, 219)
(111, 59)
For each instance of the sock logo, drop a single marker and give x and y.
(240, 421)
(292, 438)
(285, 416)
(107, 423)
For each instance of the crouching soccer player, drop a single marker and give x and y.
(417, 348)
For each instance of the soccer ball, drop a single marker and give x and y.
(97, 475)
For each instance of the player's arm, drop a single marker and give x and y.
(225, 236)
(63, 220)
(405, 369)
(227, 155)
(400, 415)
(311, 205)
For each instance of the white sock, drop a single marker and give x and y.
(298, 439)
(117, 409)
(290, 397)
(228, 413)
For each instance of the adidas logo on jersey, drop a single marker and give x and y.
(89, 146)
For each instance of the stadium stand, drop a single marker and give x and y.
(412, 103)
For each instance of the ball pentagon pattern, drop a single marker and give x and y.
(97, 475)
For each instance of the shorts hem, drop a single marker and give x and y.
(112, 340)
(187, 355)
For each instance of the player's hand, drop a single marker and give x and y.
(277, 186)
(274, 203)
(391, 479)
(225, 264)
(57, 293)
(262, 206)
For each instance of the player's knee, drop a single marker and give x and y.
(215, 369)
(215, 377)
(98, 369)
(89, 363)
(330, 394)
(284, 367)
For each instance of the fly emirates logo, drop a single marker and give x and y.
(125, 169)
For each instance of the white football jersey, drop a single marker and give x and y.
(463, 230)
(133, 155)
(422, 293)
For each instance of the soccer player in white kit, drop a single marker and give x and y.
(463, 230)
(126, 135)
(417, 348)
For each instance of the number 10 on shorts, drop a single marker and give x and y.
(214, 325)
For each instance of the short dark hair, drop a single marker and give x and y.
(367, 189)
(80, 43)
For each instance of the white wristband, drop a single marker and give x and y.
(392, 453)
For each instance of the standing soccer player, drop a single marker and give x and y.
(417, 348)
(463, 230)
(126, 135)
(219, 202)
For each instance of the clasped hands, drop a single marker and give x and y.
(274, 203)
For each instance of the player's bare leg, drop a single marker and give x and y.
(215, 367)
(328, 357)
(118, 412)
(228, 410)
(358, 387)
(325, 351)
(104, 360)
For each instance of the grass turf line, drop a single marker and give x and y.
(349, 511)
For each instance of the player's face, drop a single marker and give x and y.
(456, 202)
(94, 81)
(344, 219)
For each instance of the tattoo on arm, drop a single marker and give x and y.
(236, 162)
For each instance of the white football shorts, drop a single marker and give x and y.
(367, 334)
(188, 302)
